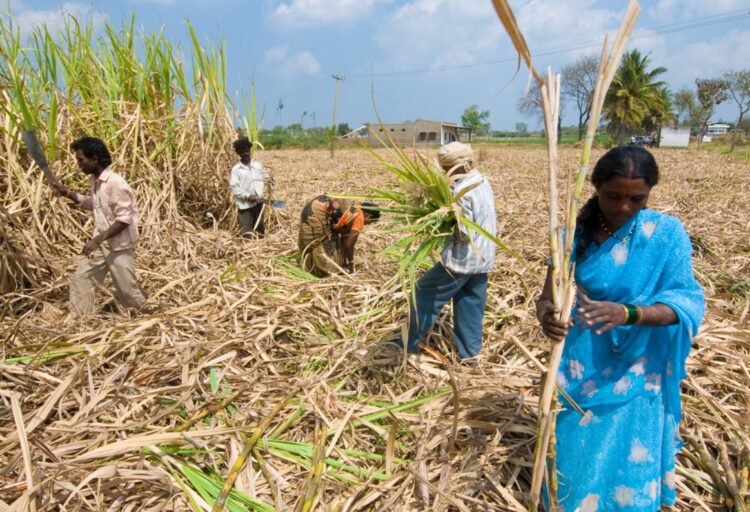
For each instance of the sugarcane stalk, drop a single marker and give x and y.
(703, 459)
(242, 458)
(562, 270)
(550, 92)
(744, 472)
(731, 477)
(267, 475)
(554, 504)
(288, 423)
(317, 468)
(551, 105)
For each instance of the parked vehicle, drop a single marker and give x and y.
(642, 140)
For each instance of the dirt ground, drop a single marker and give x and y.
(120, 411)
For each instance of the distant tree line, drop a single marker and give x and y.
(638, 102)
(295, 135)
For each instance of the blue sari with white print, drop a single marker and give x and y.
(620, 455)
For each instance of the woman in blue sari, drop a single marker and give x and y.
(638, 308)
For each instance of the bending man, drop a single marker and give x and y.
(329, 229)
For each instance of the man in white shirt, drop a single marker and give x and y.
(461, 274)
(247, 182)
(111, 249)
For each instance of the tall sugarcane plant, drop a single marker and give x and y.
(249, 116)
(562, 271)
(130, 88)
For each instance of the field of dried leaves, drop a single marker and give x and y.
(124, 412)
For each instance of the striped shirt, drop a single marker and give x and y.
(477, 257)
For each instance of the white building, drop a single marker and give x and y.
(674, 137)
(717, 129)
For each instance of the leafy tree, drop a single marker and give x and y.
(343, 129)
(636, 97)
(710, 93)
(476, 120)
(295, 128)
(739, 89)
(662, 114)
(577, 84)
(683, 106)
(522, 128)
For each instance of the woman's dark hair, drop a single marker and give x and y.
(632, 162)
(372, 209)
(93, 148)
(242, 145)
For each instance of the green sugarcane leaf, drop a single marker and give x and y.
(214, 380)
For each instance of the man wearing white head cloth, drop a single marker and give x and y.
(461, 274)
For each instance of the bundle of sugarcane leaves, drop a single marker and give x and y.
(423, 208)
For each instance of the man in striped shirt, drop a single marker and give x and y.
(461, 274)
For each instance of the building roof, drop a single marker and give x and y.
(442, 123)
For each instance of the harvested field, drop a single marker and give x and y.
(125, 412)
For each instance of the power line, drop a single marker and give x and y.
(638, 34)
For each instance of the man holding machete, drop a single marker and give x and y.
(115, 233)
(247, 182)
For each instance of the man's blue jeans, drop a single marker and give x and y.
(433, 290)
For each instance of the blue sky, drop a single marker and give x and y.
(426, 59)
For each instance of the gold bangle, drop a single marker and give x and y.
(627, 314)
(639, 314)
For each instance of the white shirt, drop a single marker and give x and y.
(246, 181)
(477, 257)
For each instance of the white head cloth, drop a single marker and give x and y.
(455, 153)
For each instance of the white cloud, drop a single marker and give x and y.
(288, 65)
(431, 34)
(28, 19)
(680, 10)
(649, 42)
(439, 33)
(547, 24)
(160, 2)
(276, 54)
(322, 12)
(708, 58)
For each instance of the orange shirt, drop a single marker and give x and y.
(352, 217)
(334, 213)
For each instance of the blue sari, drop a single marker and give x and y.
(620, 454)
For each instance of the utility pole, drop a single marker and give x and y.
(338, 79)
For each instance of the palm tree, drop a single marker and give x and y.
(636, 98)
(661, 115)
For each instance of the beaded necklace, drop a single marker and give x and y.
(624, 239)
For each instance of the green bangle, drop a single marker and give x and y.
(632, 316)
